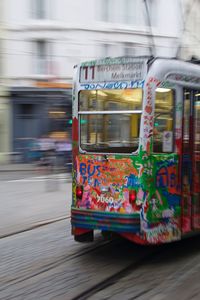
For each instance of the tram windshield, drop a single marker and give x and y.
(110, 120)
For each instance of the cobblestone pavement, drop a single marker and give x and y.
(173, 274)
(46, 263)
(27, 201)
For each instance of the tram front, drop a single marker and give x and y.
(107, 109)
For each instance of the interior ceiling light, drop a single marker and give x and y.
(100, 93)
(162, 90)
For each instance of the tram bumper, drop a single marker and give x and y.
(87, 220)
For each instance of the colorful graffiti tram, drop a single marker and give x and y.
(136, 149)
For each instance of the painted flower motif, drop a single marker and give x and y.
(148, 109)
(87, 188)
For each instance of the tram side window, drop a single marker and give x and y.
(163, 131)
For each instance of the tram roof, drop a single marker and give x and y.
(129, 59)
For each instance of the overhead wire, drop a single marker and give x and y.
(152, 45)
(185, 19)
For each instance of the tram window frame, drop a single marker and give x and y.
(129, 146)
(172, 114)
(193, 93)
(195, 113)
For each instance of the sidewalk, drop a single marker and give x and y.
(27, 203)
(16, 167)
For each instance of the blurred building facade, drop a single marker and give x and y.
(189, 39)
(5, 107)
(46, 38)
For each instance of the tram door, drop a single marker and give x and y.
(196, 162)
(191, 162)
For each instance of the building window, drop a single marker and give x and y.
(106, 10)
(129, 49)
(112, 11)
(26, 111)
(130, 11)
(41, 57)
(152, 10)
(108, 50)
(1, 58)
(123, 11)
(105, 50)
(41, 9)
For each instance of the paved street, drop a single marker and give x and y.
(29, 198)
(45, 262)
(173, 273)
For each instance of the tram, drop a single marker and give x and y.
(136, 149)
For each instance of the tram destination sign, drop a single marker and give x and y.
(132, 70)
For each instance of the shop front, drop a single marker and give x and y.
(38, 113)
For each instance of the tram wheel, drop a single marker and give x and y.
(85, 237)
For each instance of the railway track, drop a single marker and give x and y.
(161, 271)
(98, 268)
(142, 256)
(109, 281)
(58, 262)
(34, 226)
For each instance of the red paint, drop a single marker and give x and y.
(132, 196)
(134, 238)
(79, 231)
(79, 192)
(75, 130)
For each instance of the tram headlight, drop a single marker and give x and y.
(132, 196)
(79, 192)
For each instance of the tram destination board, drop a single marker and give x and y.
(127, 71)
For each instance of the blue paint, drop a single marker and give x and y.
(96, 183)
(131, 181)
(162, 178)
(89, 169)
(113, 85)
(172, 199)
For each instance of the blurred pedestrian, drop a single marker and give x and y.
(34, 150)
